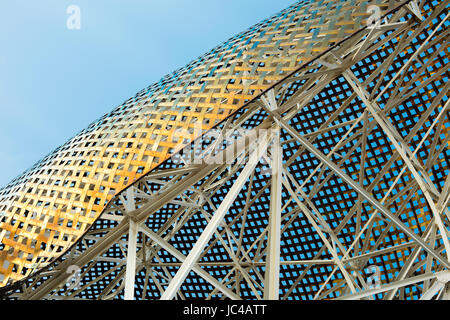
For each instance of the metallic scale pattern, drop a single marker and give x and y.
(363, 183)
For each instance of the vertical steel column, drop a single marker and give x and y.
(272, 275)
(131, 249)
(215, 221)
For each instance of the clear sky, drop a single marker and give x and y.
(54, 81)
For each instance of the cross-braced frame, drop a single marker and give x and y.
(331, 183)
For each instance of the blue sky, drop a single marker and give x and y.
(55, 81)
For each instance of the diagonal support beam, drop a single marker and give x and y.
(317, 153)
(181, 257)
(131, 249)
(394, 285)
(404, 152)
(215, 221)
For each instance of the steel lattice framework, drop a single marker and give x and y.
(336, 140)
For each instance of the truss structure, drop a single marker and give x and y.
(306, 158)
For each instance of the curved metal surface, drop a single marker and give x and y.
(47, 208)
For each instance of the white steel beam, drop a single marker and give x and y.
(215, 221)
(394, 285)
(320, 156)
(272, 275)
(131, 248)
(194, 175)
(181, 257)
(441, 281)
(404, 152)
